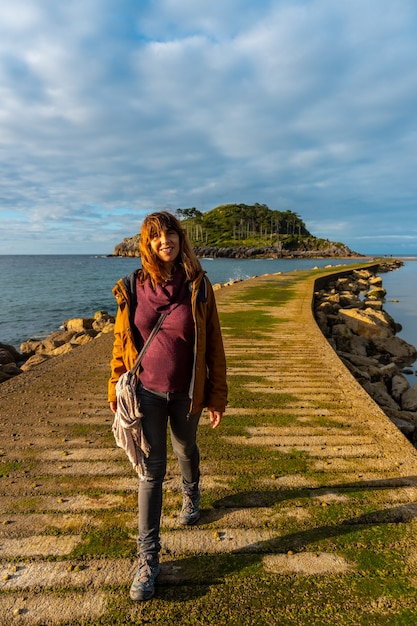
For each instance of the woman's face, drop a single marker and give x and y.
(166, 246)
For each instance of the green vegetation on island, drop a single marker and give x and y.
(241, 230)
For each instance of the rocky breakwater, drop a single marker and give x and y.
(349, 311)
(74, 332)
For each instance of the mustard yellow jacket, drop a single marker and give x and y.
(208, 386)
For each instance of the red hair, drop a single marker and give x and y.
(152, 267)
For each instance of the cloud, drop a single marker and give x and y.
(114, 108)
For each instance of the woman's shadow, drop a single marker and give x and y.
(192, 576)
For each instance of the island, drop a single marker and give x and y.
(244, 231)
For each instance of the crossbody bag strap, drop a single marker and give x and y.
(148, 343)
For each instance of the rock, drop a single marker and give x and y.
(102, 319)
(361, 361)
(346, 284)
(30, 347)
(364, 274)
(109, 328)
(387, 372)
(8, 370)
(34, 360)
(348, 342)
(373, 304)
(396, 347)
(5, 357)
(16, 356)
(350, 300)
(359, 345)
(4, 376)
(79, 324)
(407, 428)
(410, 416)
(409, 399)
(64, 349)
(82, 339)
(367, 323)
(328, 307)
(55, 340)
(363, 284)
(379, 393)
(375, 281)
(378, 293)
(399, 385)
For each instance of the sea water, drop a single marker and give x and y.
(40, 292)
(401, 300)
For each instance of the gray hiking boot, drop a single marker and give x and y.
(190, 512)
(143, 586)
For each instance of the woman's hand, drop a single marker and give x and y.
(113, 406)
(215, 418)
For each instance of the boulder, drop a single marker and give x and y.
(4, 376)
(79, 324)
(361, 361)
(367, 323)
(349, 300)
(347, 284)
(30, 347)
(407, 428)
(387, 372)
(81, 339)
(6, 357)
(396, 347)
(16, 356)
(55, 340)
(379, 393)
(409, 399)
(328, 307)
(34, 360)
(321, 319)
(362, 328)
(377, 293)
(410, 416)
(362, 274)
(8, 370)
(399, 385)
(375, 281)
(64, 349)
(359, 345)
(363, 284)
(376, 305)
(109, 328)
(102, 320)
(348, 342)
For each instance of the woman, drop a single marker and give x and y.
(183, 371)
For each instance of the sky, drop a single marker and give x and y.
(111, 109)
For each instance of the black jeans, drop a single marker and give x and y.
(157, 408)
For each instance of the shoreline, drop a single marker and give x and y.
(85, 329)
(43, 334)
